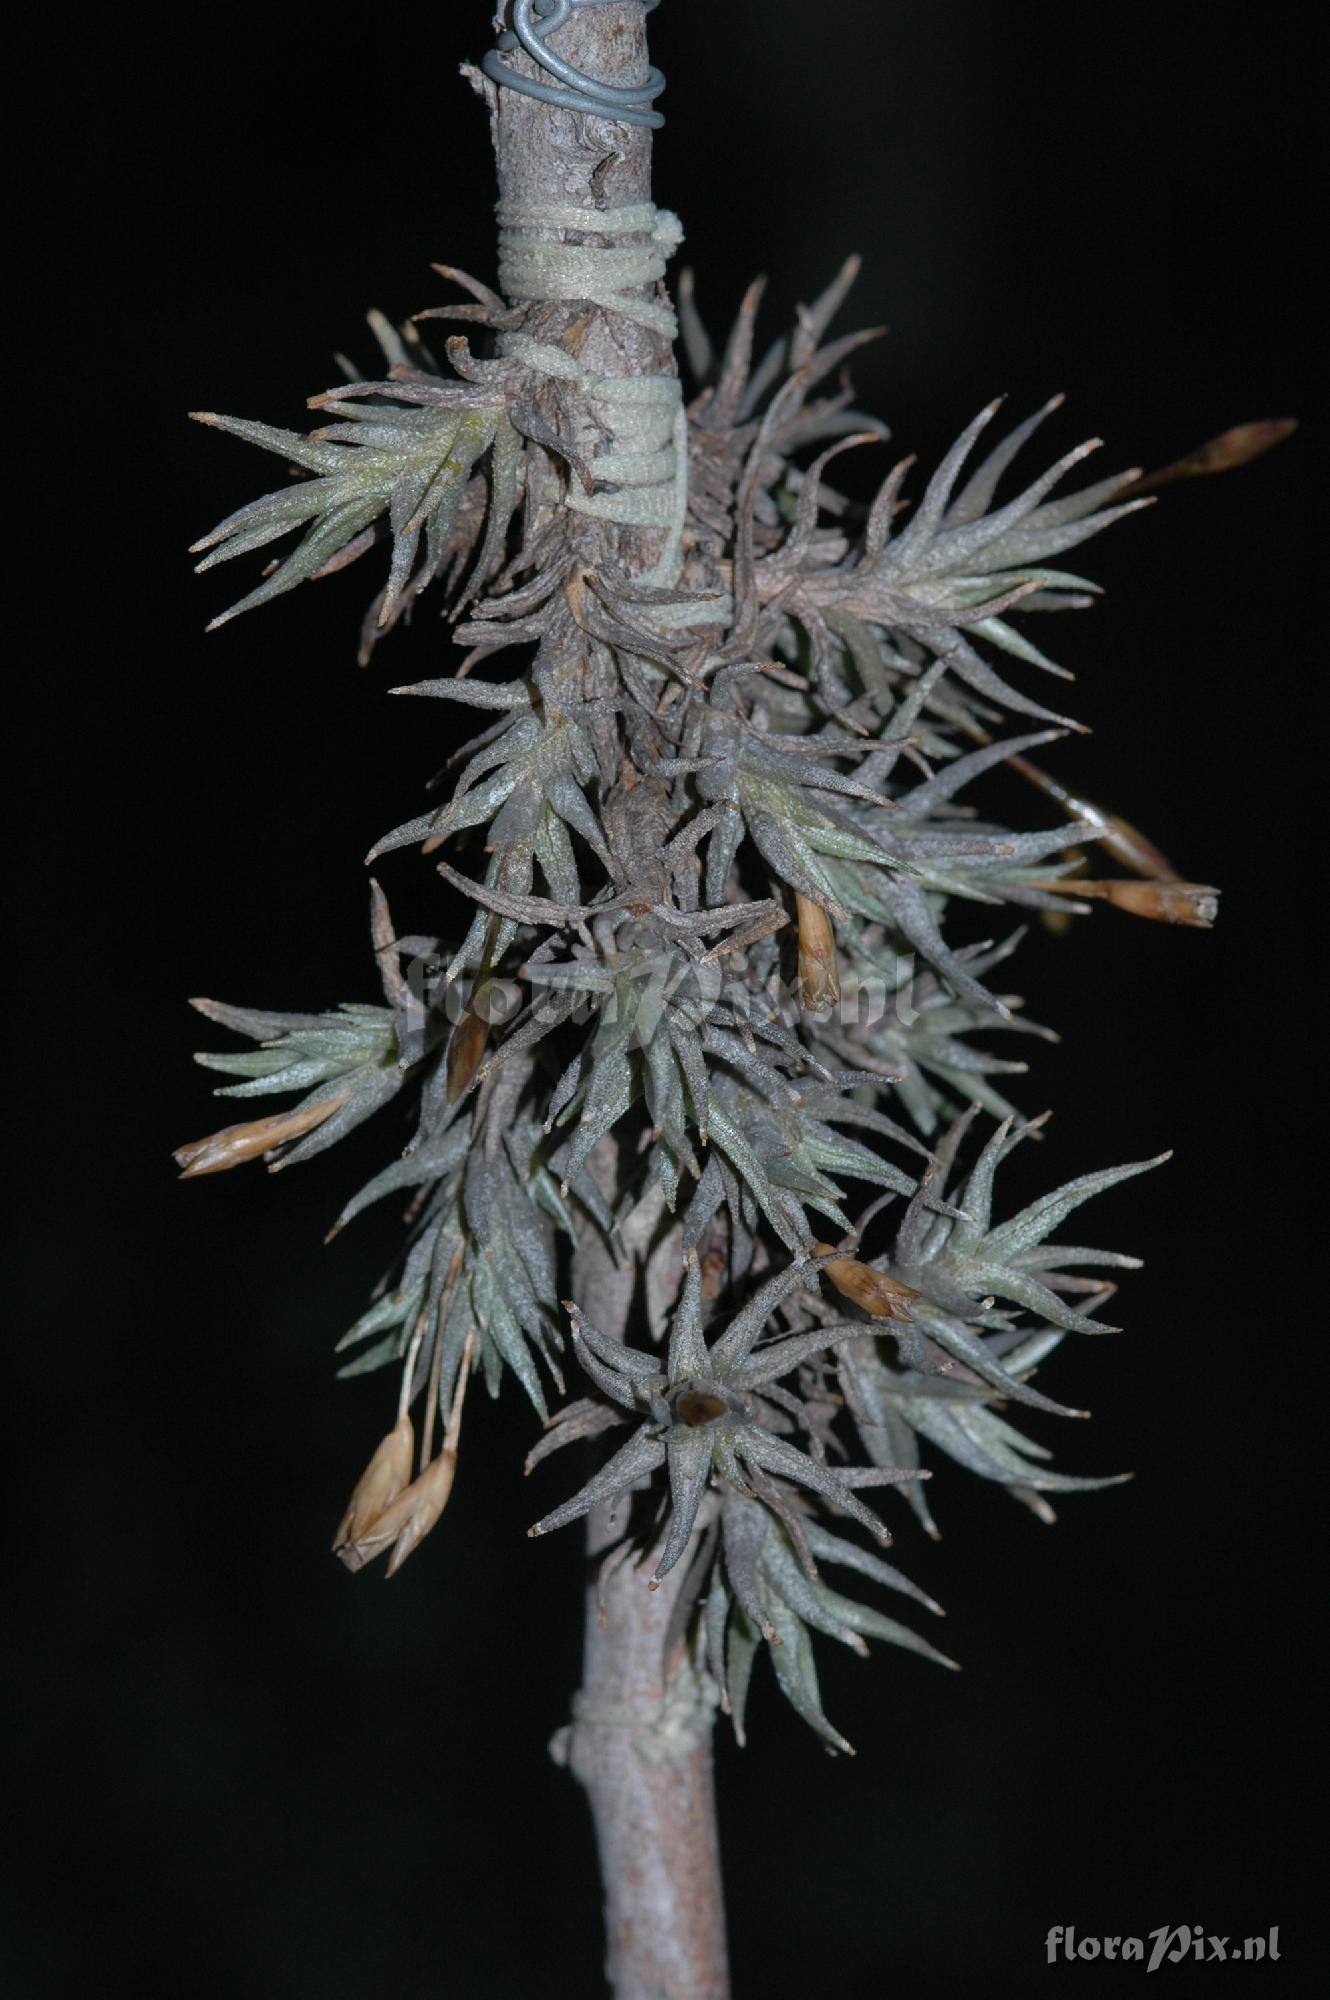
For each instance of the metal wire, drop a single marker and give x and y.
(572, 89)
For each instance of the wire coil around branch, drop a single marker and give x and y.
(571, 88)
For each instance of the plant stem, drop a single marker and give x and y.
(640, 1742)
(569, 159)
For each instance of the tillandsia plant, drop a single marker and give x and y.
(704, 1037)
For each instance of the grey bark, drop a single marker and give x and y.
(545, 154)
(640, 1741)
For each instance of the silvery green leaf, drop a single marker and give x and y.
(642, 1454)
(688, 1463)
(1037, 1221)
(796, 1671)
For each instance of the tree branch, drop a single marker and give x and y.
(640, 1742)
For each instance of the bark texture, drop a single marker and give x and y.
(545, 154)
(640, 1741)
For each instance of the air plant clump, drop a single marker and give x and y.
(711, 810)
(795, 758)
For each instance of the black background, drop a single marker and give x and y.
(243, 1772)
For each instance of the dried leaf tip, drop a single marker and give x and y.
(235, 1144)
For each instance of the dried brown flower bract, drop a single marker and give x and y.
(1117, 836)
(1167, 902)
(235, 1144)
(466, 1049)
(877, 1292)
(384, 1478)
(819, 976)
(1225, 453)
(400, 1519)
(404, 1523)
